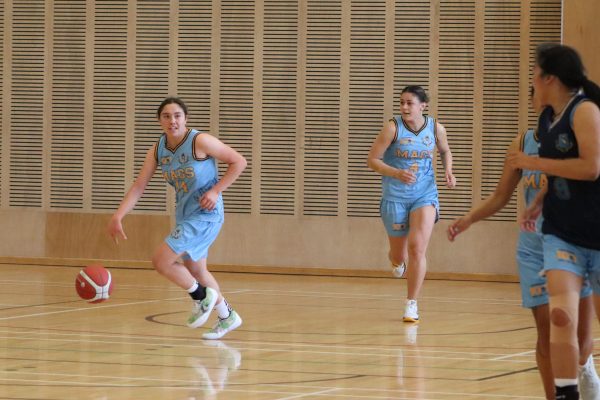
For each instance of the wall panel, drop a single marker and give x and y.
(301, 88)
(27, 104)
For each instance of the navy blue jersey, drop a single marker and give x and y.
(571, 207)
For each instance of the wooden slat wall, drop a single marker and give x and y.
(456, 91)
(500, 94)
(322, 109)
(367, 55)
(109, 99)
(3, 162)
(68, 100)
(278, 170)
(236, 99)
(27, 104)
(300, 88)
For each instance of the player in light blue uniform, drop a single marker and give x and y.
(403, 154)
(530, 261)
(188, 161)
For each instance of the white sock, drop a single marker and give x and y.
(193, 288)
(558, 382)
(223, 309)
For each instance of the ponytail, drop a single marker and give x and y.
(591, 90)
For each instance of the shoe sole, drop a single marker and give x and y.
(408, 319)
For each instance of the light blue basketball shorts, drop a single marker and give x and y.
(192, 237)
(530, 260)
(396, 214)
(562, 255)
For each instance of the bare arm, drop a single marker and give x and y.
(236, 163)
(586, 125)
(115, 227)
(375, 157)
(445, 154)
(494, 203)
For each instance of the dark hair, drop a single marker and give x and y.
(564, 63)
(172, 100)
(417, 91)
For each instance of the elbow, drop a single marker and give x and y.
(371, 164)
(592, 173)
(243, 163)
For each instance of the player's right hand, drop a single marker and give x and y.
(458, 226)
(406, 176)
(115, 229)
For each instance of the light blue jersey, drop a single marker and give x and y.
(411, 150)
(190, 176)
(196, 228)
(532, 182)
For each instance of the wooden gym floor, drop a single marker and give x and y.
(303, 338)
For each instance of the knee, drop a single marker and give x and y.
(416, 251)
(560, 318)
(158, 263)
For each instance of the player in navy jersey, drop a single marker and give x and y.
(403, 154)
(530, 261)
(188, 161)
(569, 132)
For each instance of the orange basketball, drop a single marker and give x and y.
(94, 283)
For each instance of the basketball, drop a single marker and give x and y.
(94, 284)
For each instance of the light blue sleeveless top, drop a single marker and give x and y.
(190, 176)
(532, 182)
(411, 150)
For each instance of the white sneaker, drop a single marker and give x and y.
(411, 311)
(223, 326)
(589, 383)
(399, 270)
(202, 309)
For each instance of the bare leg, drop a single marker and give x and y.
(584, 329)
(165, 263)
(421, 226)
(200, 271)
(398, 250)
(542, 348)
(564, 288)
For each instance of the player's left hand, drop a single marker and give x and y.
(208, 201)
(518, 160)
(450, 180)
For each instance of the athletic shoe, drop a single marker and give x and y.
(411, 312)
(223, 326)
(202, 309)
(399, 270)
(589, 383)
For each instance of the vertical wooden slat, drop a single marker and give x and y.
(109, 134)
(367, 80)
(500, 94)
(278, 140)
(322, 130)
(151, 87)
(456, 79)
(68, 101)
(27, 103)
(236, 94)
